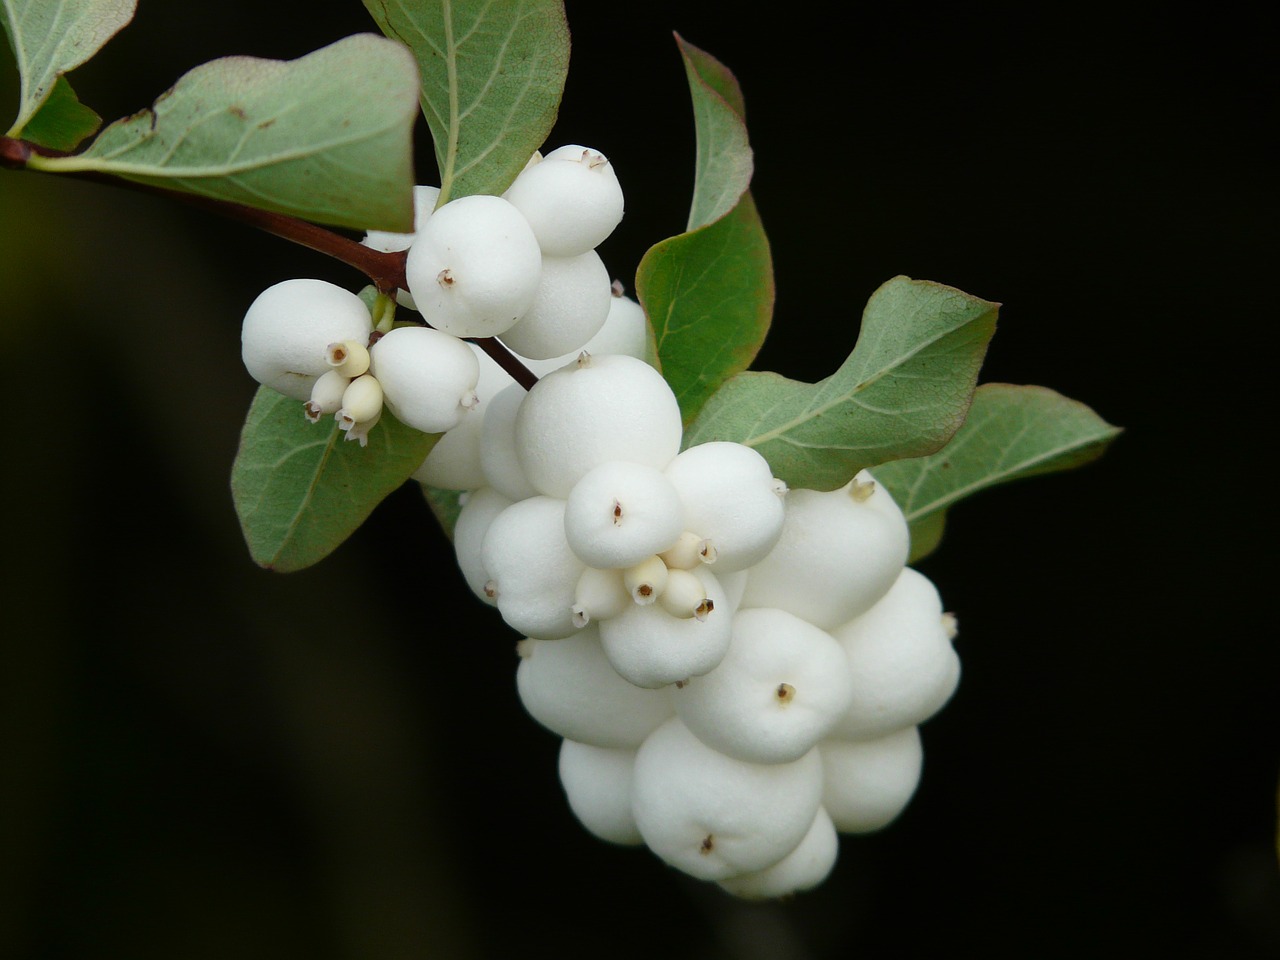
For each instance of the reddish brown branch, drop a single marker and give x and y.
(385, 270)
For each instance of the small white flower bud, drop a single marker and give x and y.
(687, 552)
(360, 431)
(362, 400)
(685, 596)
(348, 357)
(646, 580)
(600, 595)
(326, 395)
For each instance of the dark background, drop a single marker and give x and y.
(203, 759)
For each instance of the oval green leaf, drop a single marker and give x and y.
(1011, 432)
(326, 137)
(53, 38)
(724, 162)
(300, 489)
(902, 392)
(492, 77)
(709, 291)
(709, 298)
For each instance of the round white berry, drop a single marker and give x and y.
(780, 688)
(569, 308)
(621, 512)
(839, 552)
(479, 508)
(454, 462)
(713, 816)
(590, 411)
(287, 330)
(474, 268)
(903, 667)
(867, 783)
(569, 687)
(597, 784)
(571, 198)
(652, 648)
(429, 377)
(802, 869)
(731, 500)
(532, 572)
(499, 461)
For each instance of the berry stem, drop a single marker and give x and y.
(385, 270)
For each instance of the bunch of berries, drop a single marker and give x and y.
(737, 670)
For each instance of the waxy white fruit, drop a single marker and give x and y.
(288, 328)
(474, 268)
(802, 869)
(571, 198)
(839, 552)
(731, 500)
(780, 689)
(429, 378)
(479, 508)
(499, 460)
(454, 462)
(597, 784)
(532, 571)
(716, 817)
(902, 665)
(867, 783)
(652, 648)
(593, 410)
(620, 513)
(569, 308)
(569, 687)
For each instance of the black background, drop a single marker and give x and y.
(203, 759)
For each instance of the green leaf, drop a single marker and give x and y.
(62, 122)
(709, 298)
(902, 392)
(492, 77)
(724, 160)
(300, 489)
(50, 38)
(1012, 432)
(326, 137)
(708, 292)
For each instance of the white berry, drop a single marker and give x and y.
(287, 330)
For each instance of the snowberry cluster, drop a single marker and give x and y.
(522, 267)
(738, 670)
